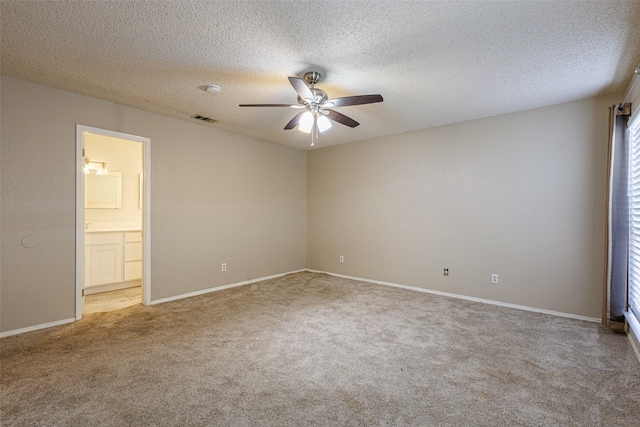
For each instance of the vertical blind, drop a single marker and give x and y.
(634, 219)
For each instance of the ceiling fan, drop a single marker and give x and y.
(318, 115)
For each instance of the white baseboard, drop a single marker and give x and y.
(468, 298)
(36, 327)
(396, 285)
(633, 333)
(220, 288)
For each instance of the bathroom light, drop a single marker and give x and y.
(100, 170)
(103, 169)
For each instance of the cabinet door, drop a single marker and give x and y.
(133, 251)
(106, 264)
(133, 236)
(133, 270)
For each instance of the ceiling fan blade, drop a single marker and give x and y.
(301, 87)
(294, 122)
(353, 100)
(342, 119)
(272, 105)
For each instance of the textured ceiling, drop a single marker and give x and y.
(433, 62)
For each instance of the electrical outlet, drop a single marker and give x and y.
(494, 278)
(341, 258)
(446, 271)
(224, 266)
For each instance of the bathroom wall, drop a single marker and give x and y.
(120, 156)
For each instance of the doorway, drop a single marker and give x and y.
(112, 214)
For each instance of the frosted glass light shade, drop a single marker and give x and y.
(323, 123)
(306, 122)
(102, 170)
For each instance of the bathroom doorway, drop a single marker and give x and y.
(112, 219)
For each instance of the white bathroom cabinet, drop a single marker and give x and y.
(113, 260)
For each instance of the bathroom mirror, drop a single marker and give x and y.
(103, 191)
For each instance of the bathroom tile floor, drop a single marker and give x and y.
(113, 300)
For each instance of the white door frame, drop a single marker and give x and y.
(81, 130)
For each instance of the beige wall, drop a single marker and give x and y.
(215, 197)
(521, 195)
(634, 98)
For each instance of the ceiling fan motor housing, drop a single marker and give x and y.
(319, 97)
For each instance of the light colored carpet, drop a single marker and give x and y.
(314, 350)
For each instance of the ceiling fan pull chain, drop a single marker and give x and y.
(314, 130)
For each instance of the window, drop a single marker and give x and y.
(633, 298)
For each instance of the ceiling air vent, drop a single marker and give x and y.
(203, 118)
